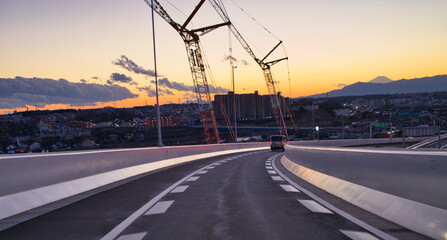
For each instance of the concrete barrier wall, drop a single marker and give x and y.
(24, 172)
(415, 175)
(405, 187)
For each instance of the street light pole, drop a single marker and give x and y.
(230, 51)
(234, 100)
(159, 143)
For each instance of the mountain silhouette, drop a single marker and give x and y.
(426, 84)
(381, 79)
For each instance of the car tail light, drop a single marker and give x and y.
(271, 143)
(282, 142)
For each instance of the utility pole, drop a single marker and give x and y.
(313, 121)
(159, 143)
(230, 50)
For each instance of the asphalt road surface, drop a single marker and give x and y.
(239, 196)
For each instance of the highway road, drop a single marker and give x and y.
(238, 196)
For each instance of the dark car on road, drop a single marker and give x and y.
(277, 142)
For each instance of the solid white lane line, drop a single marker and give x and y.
(271, 171)
(277, 178)
(180, 189)
(192, 179)
(314, 206)
(354, 235)
(289, 188)
(344, 214)
(159, 208)
(268, 167)
(133, 236)
(202, 172)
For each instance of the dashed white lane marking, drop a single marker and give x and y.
(211, 167)
(289, 188)
(277, 178)
(192, 179)
(133, 236)
(159, 208)
(344, 214)
(268, 167)
(314, 206)
(271, 171)
(202, 172)
(268, 164)
(134, 216)
(217, 164)
(354, 235)
(180, 189)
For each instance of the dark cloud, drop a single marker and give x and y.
(341, 85)
(83, 81)
(229, 58)
(18, 92)
(164, 82)
(218, 90)
(95, 78)
(148, 90)
(166, 91)
(189, 96)
(237, 61)
(122, 78)
(131, 66)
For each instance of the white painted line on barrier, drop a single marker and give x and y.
(192, 179)
(133, 236)
(355, 235)
(344, 214)
(202, 172)
(180, 189)
(129, 220)
(271, 171)
(159, 208)
(289, 188)
(277, 178)
(268, 167)
(314, 206)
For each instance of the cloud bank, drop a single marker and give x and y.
(18, 92)
(131, 66)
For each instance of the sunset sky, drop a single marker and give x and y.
(328, 42)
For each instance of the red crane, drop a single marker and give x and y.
(191, 39)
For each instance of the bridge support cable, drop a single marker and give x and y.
(216, 90)
(265, 66)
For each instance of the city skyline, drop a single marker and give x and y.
(329, 43)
